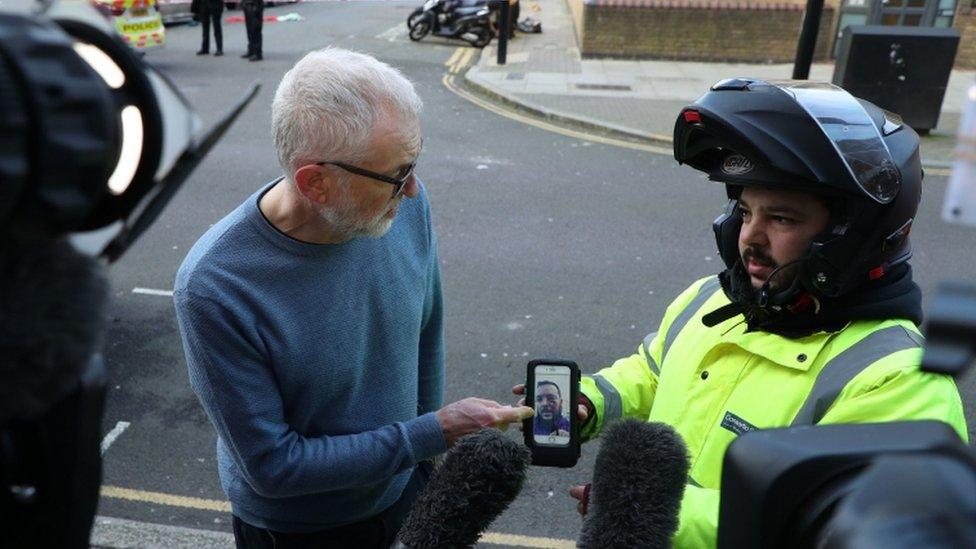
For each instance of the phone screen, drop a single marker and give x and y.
(551, 425)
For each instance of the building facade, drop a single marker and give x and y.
(750, 30)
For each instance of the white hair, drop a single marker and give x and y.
(326, 106)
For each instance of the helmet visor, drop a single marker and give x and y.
(852, 133)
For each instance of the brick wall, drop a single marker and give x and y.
(746, 31)
(965, 23)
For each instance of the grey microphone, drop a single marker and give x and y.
(477, 480)
(638, 481)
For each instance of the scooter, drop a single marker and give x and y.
(444, 6)
(471, 24)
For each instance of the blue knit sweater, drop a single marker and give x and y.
(320, 366)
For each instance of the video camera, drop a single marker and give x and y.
(94, 144)
(893, 485)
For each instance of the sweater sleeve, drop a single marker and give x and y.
(238, 390)
(430, 382)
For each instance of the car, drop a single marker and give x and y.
(137, 21)
(175, 11)
(233, 4)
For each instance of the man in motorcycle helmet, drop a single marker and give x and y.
(815, 318)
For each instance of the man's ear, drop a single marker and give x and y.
(315, 183)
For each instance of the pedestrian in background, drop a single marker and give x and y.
(254, 21)
(514, 10)
(211, 10)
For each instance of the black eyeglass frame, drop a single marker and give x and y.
(398, 184)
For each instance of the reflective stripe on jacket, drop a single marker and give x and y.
(712, 384)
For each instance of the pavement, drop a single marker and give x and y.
(545, 74)
(115, 533)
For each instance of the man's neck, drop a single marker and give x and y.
(292, 216)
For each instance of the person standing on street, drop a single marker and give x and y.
(211, 10)
(312, 320)
(815, 319)
(254, 21)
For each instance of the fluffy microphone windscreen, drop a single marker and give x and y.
(51, 318)
(474, 483)
(638, 480)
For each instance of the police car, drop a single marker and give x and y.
(137, 21)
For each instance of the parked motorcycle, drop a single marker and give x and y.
(446, 7)
(443, 18)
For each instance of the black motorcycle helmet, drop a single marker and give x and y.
(815, 138)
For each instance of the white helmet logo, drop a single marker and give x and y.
(736, 164)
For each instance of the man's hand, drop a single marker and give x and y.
(473, 414)
(582, 494)
(582, 410)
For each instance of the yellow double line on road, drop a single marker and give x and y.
(460, 60)
(202, 504)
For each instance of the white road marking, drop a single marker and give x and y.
(119, 428)
(392, 33)
(150, 291)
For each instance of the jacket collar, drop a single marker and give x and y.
(796, 353)
(894, 296)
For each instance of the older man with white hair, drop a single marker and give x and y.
(312, 319)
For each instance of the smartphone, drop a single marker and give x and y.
(552, 390)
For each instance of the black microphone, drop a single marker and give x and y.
(474, 483)
(764, 290)
(638, 482)
(52, 390)
(52, 302)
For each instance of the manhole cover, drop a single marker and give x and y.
(604, 87)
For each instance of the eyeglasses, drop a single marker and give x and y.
(399, 180)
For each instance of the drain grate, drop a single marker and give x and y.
(515, 76)
(604, 87)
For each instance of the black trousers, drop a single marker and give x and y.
(374, 532)
(254, 21)
(206, 16)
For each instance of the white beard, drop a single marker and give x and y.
(350, 223)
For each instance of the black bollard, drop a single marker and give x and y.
(504, 28)
(808, 39)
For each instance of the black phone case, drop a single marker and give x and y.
(549, 456)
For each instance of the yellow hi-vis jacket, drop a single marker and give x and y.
(712, 384)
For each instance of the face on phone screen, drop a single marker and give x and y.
(551, 423)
